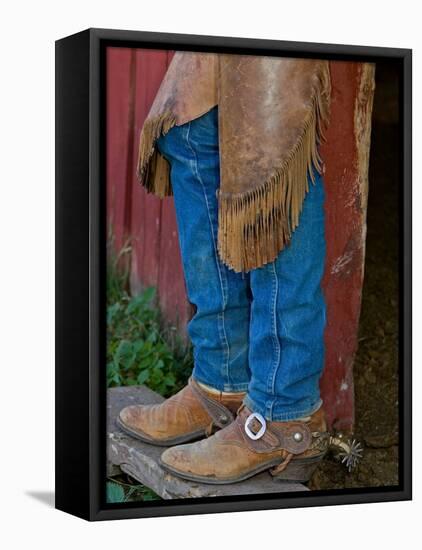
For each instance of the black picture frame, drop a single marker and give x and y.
(81, 264)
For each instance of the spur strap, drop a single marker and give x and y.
(295, 437)
(220, 414)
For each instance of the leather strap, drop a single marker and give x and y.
(220, 414)
(293, 436)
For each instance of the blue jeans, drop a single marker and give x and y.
(261, 331)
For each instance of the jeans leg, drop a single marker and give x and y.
(286, 354)
(219, 330)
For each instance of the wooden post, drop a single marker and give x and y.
(346, 157)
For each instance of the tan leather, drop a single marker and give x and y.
(271, 116)
(189, 87)
(271, 112)
(258, 130)
(230, 455)
(187, 415)
(188, 90)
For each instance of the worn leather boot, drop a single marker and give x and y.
(249, 445)
(190, 414)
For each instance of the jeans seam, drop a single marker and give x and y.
(274, 334)
(223, 335)
(275, 344)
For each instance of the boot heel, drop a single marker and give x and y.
(300, 470)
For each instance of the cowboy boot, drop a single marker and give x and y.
(249, 445)
(191, 413)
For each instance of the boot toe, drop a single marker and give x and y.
(191, 459)
(183, 460)
(175, 458)
(133, 417)
(145, 422)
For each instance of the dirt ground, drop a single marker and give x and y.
(376, 364)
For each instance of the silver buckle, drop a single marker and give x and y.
(262, 429)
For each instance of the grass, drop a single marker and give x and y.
(138, 351)
(141, 349)
(124, 489)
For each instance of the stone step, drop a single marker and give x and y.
(140, 460)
